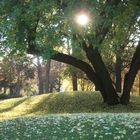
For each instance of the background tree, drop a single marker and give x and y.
(14, 70)
(40, 78)
(56, 76)
(47, 76)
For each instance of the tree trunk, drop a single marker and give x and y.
(59, 84)
(139, 83)
(102, 75)
(118, 73)
(74, 81)
(11, 89)
(130, 76)
(40, 80)
(18, 87)
(47, 81)
(51, 88)
(85, 67)
(4, 89)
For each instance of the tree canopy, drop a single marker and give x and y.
(41, 27)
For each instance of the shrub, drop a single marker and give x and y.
(3, 96)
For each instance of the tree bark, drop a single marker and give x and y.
(47, 78)
(102, 74)
(11, 89)
(139, 83)
(74, 81)
(40, 80)
(4, 90)
(118, 73)
(130, 76)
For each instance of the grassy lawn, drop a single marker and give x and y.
(68, 116)
(90, 126)
(73, 102)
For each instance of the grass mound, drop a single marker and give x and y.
(73, 127)
(72, 102)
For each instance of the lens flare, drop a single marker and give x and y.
(82, 19)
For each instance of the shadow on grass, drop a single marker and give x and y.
(79, 102)
(13, 106)
(67, 103)
(41, 106)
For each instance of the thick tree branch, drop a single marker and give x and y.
(64, 58)
(72, 61)
(101, 71)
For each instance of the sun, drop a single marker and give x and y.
(82, 19)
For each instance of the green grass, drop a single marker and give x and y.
(92, 126)
(73, 102)
(47, 117)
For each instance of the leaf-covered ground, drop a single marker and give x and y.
(98, 126)
(68, 102)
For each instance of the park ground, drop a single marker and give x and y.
(67, 116)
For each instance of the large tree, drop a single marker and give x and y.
(40, 27)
